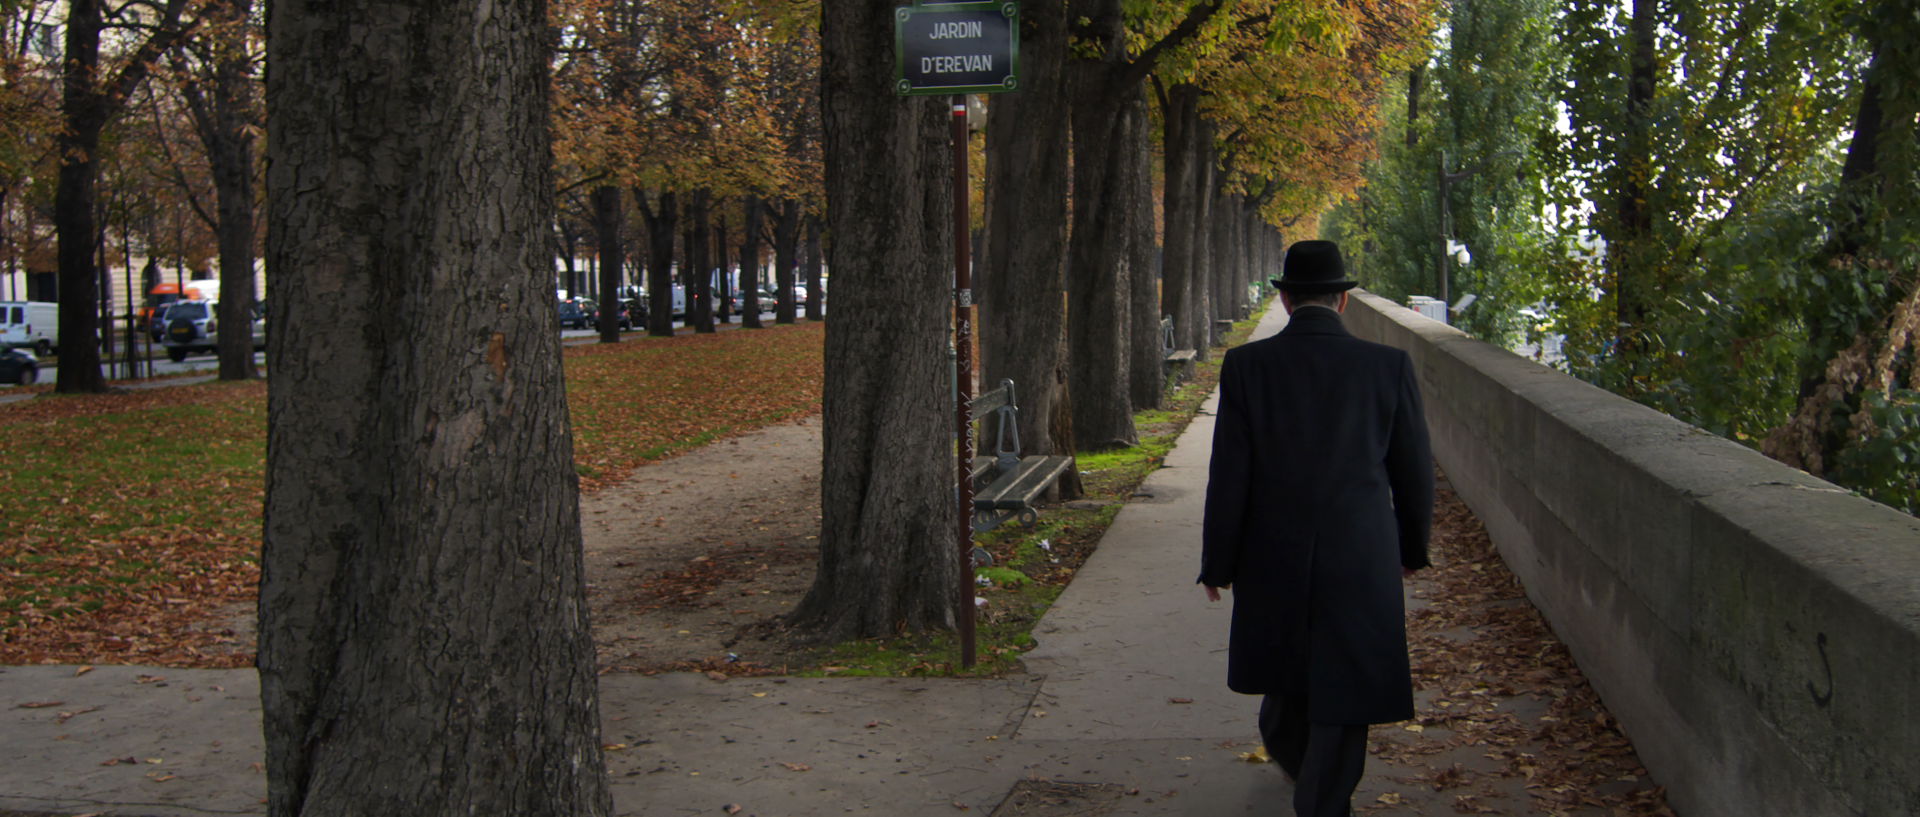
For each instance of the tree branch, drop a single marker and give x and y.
(1137, 70)
(169, 32)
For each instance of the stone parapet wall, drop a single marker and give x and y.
(1755, 629)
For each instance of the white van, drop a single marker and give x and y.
(30, 323)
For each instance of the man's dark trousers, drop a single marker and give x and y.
(1325, 761)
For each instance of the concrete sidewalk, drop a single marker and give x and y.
(1123, 711)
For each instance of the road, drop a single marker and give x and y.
(209, 363)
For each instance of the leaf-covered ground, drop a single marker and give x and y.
(131, 517)
(1503, 714)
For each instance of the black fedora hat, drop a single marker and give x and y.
(1312, 267)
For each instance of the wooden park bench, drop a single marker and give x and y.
(1006, 484)
(1179, 362)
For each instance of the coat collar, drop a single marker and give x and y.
(1315, 320)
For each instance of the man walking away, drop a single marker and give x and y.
(1319, 501)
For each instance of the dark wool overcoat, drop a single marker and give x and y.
(1320, 490)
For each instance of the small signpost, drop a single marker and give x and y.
(959, 49)
(956, 48)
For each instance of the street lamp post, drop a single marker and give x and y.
(1446, 214)
(1446, 222)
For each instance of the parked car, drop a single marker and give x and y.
(576, 314)
(193, 326)
(624, 316)
(19, 366)
(636, 311)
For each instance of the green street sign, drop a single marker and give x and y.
(956, 48)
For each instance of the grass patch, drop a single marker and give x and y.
(1000, 638)
(129, 516)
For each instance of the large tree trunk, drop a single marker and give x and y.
(1204, 171)
(786, 256)
(1097, 259)
(1021, 280)
(1182, 151)
(1630, 252)
(1226, 254)
(424, 647)
(608, 222)
(660, 230)
(750, 264)
(1844, 332)
(223, 112)
(89, 99)
(815, 291)
(1146, 368)
(889, 560)
(815, 261)
(697, 275)
(722, 288)
(85, 114)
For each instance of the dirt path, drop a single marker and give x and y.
(691, 561)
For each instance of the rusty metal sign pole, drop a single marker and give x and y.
(963, 351)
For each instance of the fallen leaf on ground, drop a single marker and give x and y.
(798, 767)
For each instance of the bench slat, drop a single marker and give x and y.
(987, 403)
(1018, 487)
(982, 468)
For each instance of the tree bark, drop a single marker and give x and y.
(697, 275)
(1021, 278)
(424, 646)
(1182, 152)
(88, 102)
(1097, 259)
(1225, 212)
(721, 277)
(815, 292)
(1875, 185)
(660, 230)
(786, 256)
(1416, 78)
(889, 560)
(750, 264)
(1204, 171)
(1629, 251)
(608, 222)
(1147, 368)
(223, 119)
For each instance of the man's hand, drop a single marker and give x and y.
(1213, 593)
(1406, 572)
